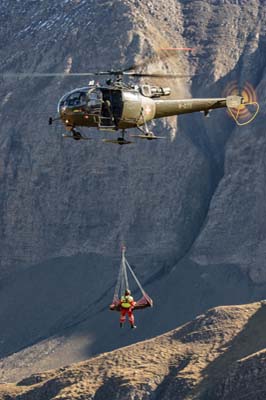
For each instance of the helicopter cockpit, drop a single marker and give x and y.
(73, 99)
(89, 99)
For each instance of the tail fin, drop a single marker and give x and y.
(237, 108)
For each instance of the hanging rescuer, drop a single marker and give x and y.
(127, 304)
(123, 301)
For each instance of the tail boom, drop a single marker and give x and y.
(167, 108)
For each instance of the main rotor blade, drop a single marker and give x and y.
(45, 74)
(151, 75)
(58, 74)
(162, 54)
(125, 72)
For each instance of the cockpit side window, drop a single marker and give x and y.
(95, 100)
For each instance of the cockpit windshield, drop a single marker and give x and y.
(84, 97)
(77, 98)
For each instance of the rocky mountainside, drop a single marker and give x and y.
(191, 209)
(219, 356)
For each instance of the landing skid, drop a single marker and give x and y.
(148, 136)
(75, 138)
(75, 135)
(119, 140)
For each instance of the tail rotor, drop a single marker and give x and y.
(245, 110)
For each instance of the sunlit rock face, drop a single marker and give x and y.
(190, 208)
(215, 356)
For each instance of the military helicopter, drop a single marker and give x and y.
(118, 106)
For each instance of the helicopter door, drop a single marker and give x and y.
(111, 108)
(95, 102)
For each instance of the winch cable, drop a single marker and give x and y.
(122, 279)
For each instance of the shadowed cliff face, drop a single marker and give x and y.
(190, 209)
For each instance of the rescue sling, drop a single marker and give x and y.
(122, 284)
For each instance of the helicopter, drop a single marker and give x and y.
(117, 106)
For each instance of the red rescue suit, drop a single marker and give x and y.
(127, 304)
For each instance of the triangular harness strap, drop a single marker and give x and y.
(145, 301)
(134, 276)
